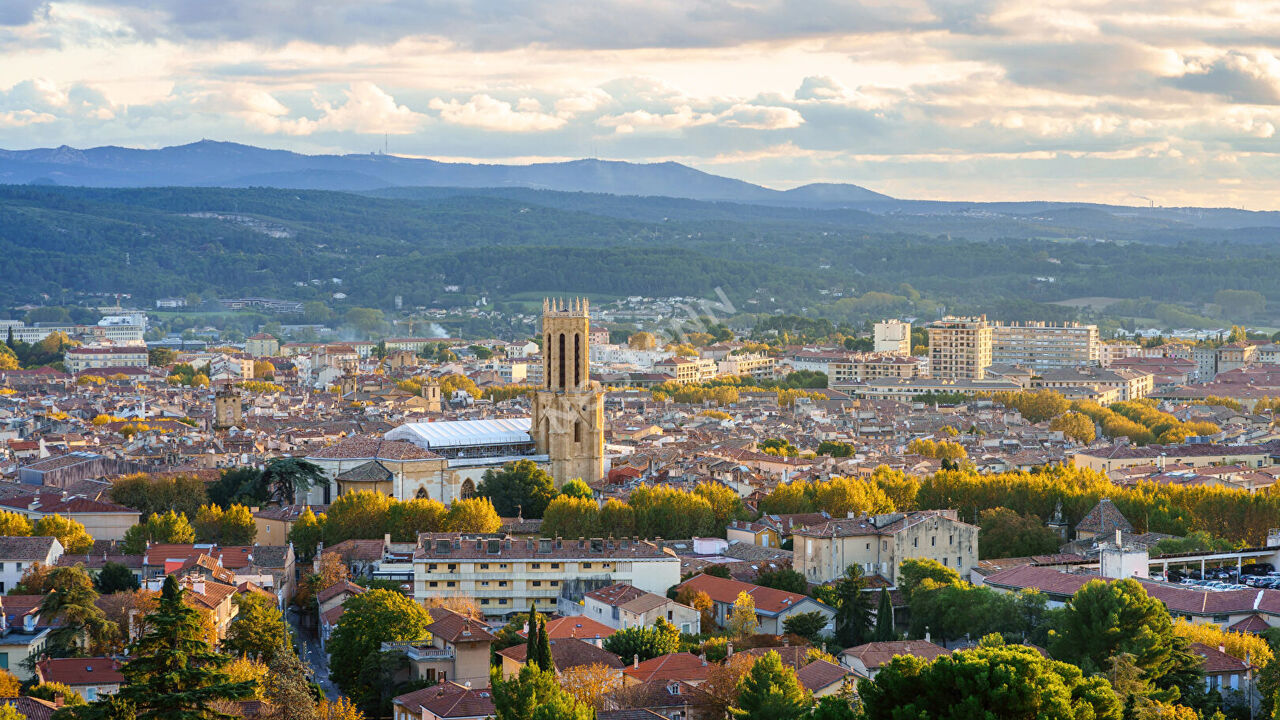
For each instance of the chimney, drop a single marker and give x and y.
(635, 660)
(1119, 537)
(728, 650)
(704, 659)
(1222, 649)
(926, 636)
(59, 699)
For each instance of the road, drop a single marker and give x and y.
(314, 656)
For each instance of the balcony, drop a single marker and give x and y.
(419, 652)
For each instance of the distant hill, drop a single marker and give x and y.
(221, 164)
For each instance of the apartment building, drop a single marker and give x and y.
(93, 357)
(1114, 384)
(960, 348)
(759, 367)
(1042, 345)
(862, 367)
(687, 370)
(878, 544)
(505, 575)
(891, 336)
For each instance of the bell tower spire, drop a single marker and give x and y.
(568, 409)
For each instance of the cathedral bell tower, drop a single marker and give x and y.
(568, 410)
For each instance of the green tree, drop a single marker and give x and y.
(169, 527)
(834, 707)
(519, 487)
(647, 641)
(81, 627)
(1106, 619)
(172, 674)
(808, 625)
(533, 642)
(1011, 682)
(74, 538)
(853, 608)
(783, 579)
(365, 320)
(545, 659)
(406, 519)
(535, 694)
(115, 577)
(369, 620)
(576, 488)
(234, 526)
(619, 517)
(1004, 533)
(771, 692)
(912, 572)
(150, 495)
(258, 631)
(884, 618)
(306, 534)
(285, 477)
(51, 691)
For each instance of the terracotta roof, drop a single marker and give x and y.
(1217, 662)
(371, 472)
(80, 671)
(449, 700)
(567, 653)
(372, 447)
(676, 666)
(1252, 624)
(576, 627)
(26, 549)
(457, 628)
(769, 601)
(794, 655)
(338, 588)
(820, 674)
(873, 655)
(31, 708)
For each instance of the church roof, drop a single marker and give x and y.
(1103, 518)
(464, 433)
(372, 471)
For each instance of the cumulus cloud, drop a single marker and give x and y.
(368, 109)
(642, 120)
(1237, 76)
(488, 113)
(23, 118)
(760, 117)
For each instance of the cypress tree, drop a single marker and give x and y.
(884, 618)
(173, 673)
(531, 642)
(544, 649)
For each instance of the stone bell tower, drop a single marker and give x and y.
(568, 410)
(227, 410)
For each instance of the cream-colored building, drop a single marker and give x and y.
(1042, 345)
(94, 357)
(878, 544)
(759, 367)
(891, 336)
(1128, 384)
(262, 345)
(862, 367)
(959, 348)
(688, 369)
(504, 575)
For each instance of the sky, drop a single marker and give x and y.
(1117, 101)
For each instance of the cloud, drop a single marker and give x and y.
(820, 87)
(759, 117)
(23, 118)
(368, 109)
(488, 113)
(1239, 77)
(645, 121)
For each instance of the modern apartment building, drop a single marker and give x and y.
(870, 366)
(92, 357)
(1116, 383)
(1041, 345)
(686, 369)
(505, 575)
(960, 348)
(892, 336)
(759, 367)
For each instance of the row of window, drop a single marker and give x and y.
(483, 567)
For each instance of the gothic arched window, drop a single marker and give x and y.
(468, 489)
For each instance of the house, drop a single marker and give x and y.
(683, 667)
(92, 677)
(879, 543)
(31, 708)
(330, 605)
(622, 606)
(565, 654)
(822, 678)
(21, 636)
(581, 627)
(18, 554)
(773, 606)
(867, 660)
(1222, 672)
(447, 701)
(670, 699)
(458, 650)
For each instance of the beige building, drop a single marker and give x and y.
(568, 409)
(1114, 457)
(1043, 345)
(959, 348)
(94, 357)
(622, 606)
(759, 367)
(1126, 384)
(892, 336)
(862, 367)
(457, 652)
(506, 575)
(102, 520)
(687, 369)
(262, 345)
(878, 544)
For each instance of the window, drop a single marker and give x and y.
(535, 566)
(555, 566)
(933, 541)
(537, 583)
(484, 566)
(585, 566)
(433, 583)
(915, 542)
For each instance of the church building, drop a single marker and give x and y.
(446, 460)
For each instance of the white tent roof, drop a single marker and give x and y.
(463, 433)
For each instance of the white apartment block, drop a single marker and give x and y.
(892, 336)
(504, 575)
(759, 367)
(92, 357)
(960, 348)
(1041, 345)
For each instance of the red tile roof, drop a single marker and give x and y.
(768, 600)
(80, 671)
(677, 666)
